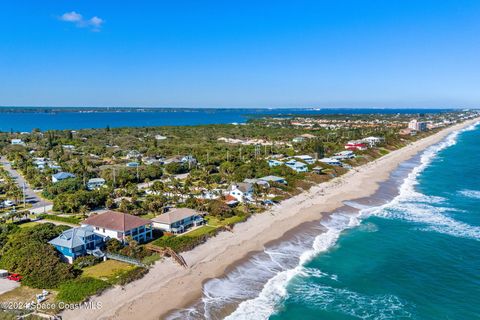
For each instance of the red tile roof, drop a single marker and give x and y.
(117, 221)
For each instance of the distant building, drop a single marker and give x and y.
(274, 163)
(132, 164)
(373, 141)
(298, 139)
(177, 220)
(133, 154)
(95, 183)
(17, 142)
(356, 145)
(241, 191)
(297, 165)
(331, 161)
(407, 132)
(417, 125)
(347, 154)
(62, 176)
(306, 158)
(274, 179)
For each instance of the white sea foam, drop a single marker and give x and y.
(429, 211)
(341, 300)
(474, 194)
(274, 291)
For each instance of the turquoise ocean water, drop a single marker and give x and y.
(412, 251)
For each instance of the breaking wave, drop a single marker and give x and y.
(473, 194)
(429, 211)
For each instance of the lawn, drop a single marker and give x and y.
(109, 270)
(28, 224)
(213, 221)
(199, 231)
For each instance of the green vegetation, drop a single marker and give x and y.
(110, 270)
(79, 289)
(27, 252)
(71, 219)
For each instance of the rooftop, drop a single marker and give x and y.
(174, 215)
(117, 221)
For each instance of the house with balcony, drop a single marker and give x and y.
(178, 220)
(77, 242)
(120, 226)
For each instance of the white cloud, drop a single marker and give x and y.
(71, 17)
(94, 23)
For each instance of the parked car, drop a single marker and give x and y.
(15, 277)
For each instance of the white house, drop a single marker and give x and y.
(95, 183)
(274, 163)
(373, 141)
(119, 225)
(241, 191)
(330, 161)
(62, 176)
(306, 158)
(274, 179)
(298, 139)
(177, 220)
(347, 154)
(17, 142)
(133, 154)
(296, 165)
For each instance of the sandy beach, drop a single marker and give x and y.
(167, 286)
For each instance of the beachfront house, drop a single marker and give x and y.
(120, 226)
(356, 145)
(274, 179)
(274, 163)
(62, 176)
(177, 220)
(331, 161)
(95, 183)
(306, 158)
(76, 242)
(373, 141)
(342, 155)
(296, 165)
(318, 170)
(241, 191)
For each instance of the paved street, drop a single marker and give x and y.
(30, 196)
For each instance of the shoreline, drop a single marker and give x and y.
(168, 287)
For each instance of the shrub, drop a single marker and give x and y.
(80, 289)
(28, 253)
(72, 220)
(132, 275)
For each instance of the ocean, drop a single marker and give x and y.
(78, 118)
(410, 251)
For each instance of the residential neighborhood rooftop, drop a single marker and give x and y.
(117, 221)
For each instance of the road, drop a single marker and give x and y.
(30, 196)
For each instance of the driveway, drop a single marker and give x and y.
(30, 196)
(7, 285)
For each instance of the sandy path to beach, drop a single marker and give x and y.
(168, 286)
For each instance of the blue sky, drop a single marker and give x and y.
(240, 53)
